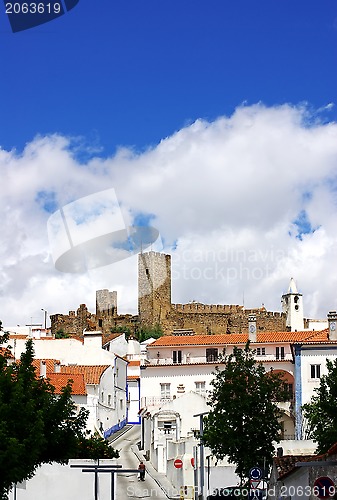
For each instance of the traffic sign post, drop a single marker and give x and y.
(324, 487)
(178, 463)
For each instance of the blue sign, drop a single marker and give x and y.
(255, 473)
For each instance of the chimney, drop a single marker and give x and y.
(43, 369)
(57, 367)
(332, 319)
(93, 339)
(252, 328)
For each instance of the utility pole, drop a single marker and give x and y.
(202, 458)
(45, 318)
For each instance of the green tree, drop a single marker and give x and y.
(321, 412)
(244, 418)
(121, 329)
(61, 334)
(147, 332)
(36, 425)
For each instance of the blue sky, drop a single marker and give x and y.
(131, 72)
(214, 122)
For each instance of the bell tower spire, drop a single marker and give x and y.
(292, 306)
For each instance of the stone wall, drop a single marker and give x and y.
(154, 305)
(106, 318)
(154, 287)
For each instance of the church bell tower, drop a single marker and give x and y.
(292, 306)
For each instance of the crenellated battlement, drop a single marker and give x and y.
(197, 307)
(155, 308)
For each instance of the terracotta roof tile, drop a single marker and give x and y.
(92, 374)
(241, 338)
(6, 353)
(60, 380)
(332, 450)
(286, 464)
(134, 363)
(133, 377)
(50, 364)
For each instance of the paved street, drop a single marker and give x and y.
(127, 485)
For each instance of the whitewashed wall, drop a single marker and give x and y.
(61, 482)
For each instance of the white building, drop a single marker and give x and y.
(103, 372)
(180, 365)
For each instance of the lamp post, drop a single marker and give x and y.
(45, 318)
(202, 460)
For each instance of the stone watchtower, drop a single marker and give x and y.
(292, 306)
(154, 287)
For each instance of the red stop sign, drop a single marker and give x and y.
(178, 463)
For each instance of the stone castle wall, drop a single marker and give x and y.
(106, 318)
(154, 287)
(155, 308)
(235, 321)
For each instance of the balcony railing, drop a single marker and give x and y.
(153, 401)
(211, 359)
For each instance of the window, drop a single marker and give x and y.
(211, 354)
(121, 404)
(261, 351)
(165, 391)
(279, 352)
(102, 396)
(315, 371)
(177, 356)
(109, 399)
(200, 388)
(167, 427)
(100, 323)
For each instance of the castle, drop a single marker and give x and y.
(155, 308)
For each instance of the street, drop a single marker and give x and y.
(127, 485)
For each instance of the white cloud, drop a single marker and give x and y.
(225, 194)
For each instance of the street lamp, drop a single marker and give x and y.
(45, 318)
(202, 461)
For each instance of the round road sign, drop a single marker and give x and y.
(178, 463)
(255, 473)
(324, 487)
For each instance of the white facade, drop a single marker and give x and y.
(68, 351)
(171, 371)
(55, 481)
(106, 399)
(292, 306)
(112, 405)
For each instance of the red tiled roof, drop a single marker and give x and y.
(60, 380)
(241, 338)
(50, 365)
(287, 464)
(4, 351)
(332, 450)
(133, 377)
(92, 374)
(134, 363)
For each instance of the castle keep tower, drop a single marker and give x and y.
(292, 307)
(106, 303)
(154, 287)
